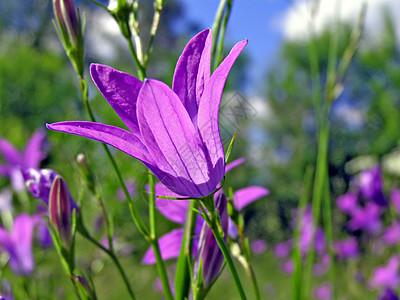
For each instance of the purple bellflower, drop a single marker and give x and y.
(15, 161)
(391, 236)
(259, 246)
(174, 132)
(387, 276)
(366, 218)
(18, 243)
(346, 248)
(323, 291)
(371, 186)
(387, 294)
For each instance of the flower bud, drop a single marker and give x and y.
(84, 285)
(66, 14)
(60, 211)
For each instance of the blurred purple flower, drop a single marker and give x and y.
(209, 255)
(386, 276)
(5, 290)
(391, 236)
(322, 265)
(282, 250)
(174, 132)
(259, 246)
(287, 267)
(18, 243)
(347, 248)
(387, 294)
(323, 291)
(43, 236)
(307, 230)
(16, 161)
(395, 197)
(366, 218)
(347, 203)
(371, 186)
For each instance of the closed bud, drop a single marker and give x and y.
(83, 285)
(60, 211)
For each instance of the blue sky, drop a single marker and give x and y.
(255, 20)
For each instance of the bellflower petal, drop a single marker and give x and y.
(386, 276)
(10, 153)
(234, 164)
(119, 138)
(170, 246)
(34, 152)
(207, 121)
(247, 195)
(121, 91)
(172, 141)
(18, 243)
(193, 71)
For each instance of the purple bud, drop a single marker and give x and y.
(346, 248)
(323, 291)
(387, 294)
(84, 284)
(5, 290)
(209, 253)
(59, 210)
(371, 186)
(259, 246)
(66, 14)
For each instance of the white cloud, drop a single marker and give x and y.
(296, 22)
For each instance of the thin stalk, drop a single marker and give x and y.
(254, 282)
(221, 39)
(182, 275)
(328, 229)
(296, 254)
(216, 28)
(321, 169)
(158, 7)
(213, 224)
(162, 272)
(113, 257)
(140, 69)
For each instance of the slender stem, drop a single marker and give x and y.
(182, 274)
(140, 69)
(328, 229)
(253, 278)
(113, 257)
(228, 258)
(158, 7)
(221, 39)
(212, 222)
(296, 253)
(162, 272)
(216, 28)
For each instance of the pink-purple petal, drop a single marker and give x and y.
(34, 151)
(170, 246)
(114, 136)
(121, 91)
(172, 141)
(192, 71)
(10, 153)
(234, 164)
(207, 121)
(247, 195)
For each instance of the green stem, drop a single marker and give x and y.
(328, 229)
(319, 186)
(158, 7)
(254, 282)
(140, 69)
(221, 39)
(296, 254)
(113, 257)
(212, 222)
(216, 28)
(162, 272)
(182, 275)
